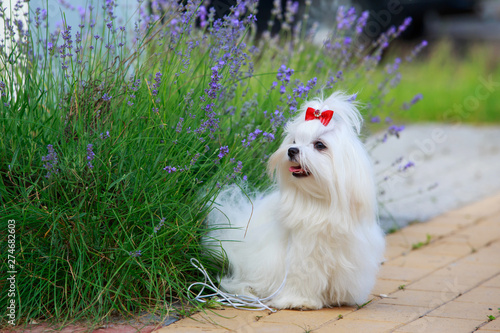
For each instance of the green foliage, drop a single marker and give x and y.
(364, 304)
(418, 245)
(451, 78)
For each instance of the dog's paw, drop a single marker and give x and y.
(297, 303)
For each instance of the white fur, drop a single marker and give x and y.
(322, 229)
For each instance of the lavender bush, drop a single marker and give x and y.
(115, 137)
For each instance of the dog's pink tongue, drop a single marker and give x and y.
(295, 169)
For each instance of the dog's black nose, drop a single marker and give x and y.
(292, 152)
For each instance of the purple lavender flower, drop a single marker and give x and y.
(236, 170)
(407, 166)
(395, 80)
(238, 167)
(78, 37)
(194, 159)
(202, 15)
(331, 81)
(159, 226)
(211, 123)
(170, 169)
(106, 97)
(269, 136)
(40, 16)
(404, 25)
(90, 155)
(157, 83)
(345, 20)
(360, 24)
(50, 161)
(375, 120)
(81, 12)
(277, 119)
(414, 100)
(65, 4)
(214, 83)
(302, 91)
(178, 129)
(284, 74)
(135, 254)
(104, 135)
(416, 50)
(395, 130)
(109, 7)
(254, 135)
(66, 46)
(230, 110)
(394, 67)
(224, 150)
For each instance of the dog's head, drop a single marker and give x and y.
(322, 157)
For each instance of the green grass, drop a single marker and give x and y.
(449, 83)
(363, 305)
(418, 245)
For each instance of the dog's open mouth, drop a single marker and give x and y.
(297, 171)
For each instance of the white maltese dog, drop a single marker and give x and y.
(316, 239)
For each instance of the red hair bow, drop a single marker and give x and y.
(324, 116)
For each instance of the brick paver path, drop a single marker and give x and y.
(448, 284)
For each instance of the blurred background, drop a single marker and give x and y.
(463, 43)
(463, 20)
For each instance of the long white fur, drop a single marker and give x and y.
(321, 229)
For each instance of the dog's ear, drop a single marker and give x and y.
(354, 185)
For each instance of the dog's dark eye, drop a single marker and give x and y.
(319, 145)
